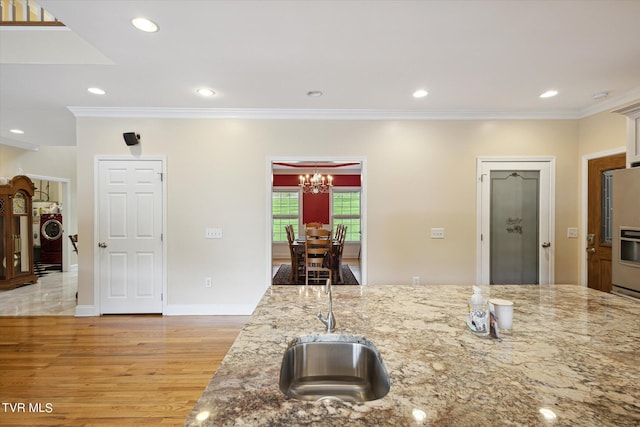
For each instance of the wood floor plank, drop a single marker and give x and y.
(108, 370)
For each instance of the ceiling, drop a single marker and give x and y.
(477, 59)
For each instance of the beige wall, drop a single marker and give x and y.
(420, 174)
(57, 162)
(602, 132)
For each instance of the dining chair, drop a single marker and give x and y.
(313, 225)
(318, 244)
(341, 229)
(74, 242)
(341, 234)
(297, 265)
(317, 233)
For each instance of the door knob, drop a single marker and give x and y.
(546, 244)
(102, 245)
(591, 250)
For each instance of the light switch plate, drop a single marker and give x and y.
(213, 233)
(572, 232)
(437, 233)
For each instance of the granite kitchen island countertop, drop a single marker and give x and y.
(572, 359)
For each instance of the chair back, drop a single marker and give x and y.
(313, 225)
(291, 236)
(74, 242)
(317, 245)
(296, 257)
(318, 233)
(341, 234)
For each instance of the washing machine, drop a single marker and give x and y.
(51, 239)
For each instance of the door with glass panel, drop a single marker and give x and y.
(599, 220)
(515, 222)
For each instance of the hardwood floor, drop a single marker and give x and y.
(109, 370)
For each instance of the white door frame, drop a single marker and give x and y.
(96, 225)
(363, 207)
(483, 262)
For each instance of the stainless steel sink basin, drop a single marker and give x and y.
(346, 368)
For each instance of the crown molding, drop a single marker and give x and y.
(610, 104)
(629, 110)
(315, 114)
(19, 144)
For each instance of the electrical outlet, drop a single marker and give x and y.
(416, 280)
(207, 282)
(213, 233)
(437, 233)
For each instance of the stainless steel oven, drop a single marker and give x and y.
(626, 229)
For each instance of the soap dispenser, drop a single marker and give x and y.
(478, 313)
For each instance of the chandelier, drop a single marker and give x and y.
(316, 184)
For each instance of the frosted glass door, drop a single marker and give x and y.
(514, 227)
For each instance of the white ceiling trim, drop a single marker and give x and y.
(19, 144)
(314, 114)
(351, 114)
(612, 103)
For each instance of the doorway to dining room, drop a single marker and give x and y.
(343, 202)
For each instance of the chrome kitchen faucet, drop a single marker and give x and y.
(330, 321)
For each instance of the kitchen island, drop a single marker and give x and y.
(572, 359)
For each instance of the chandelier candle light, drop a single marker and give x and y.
(316, 184)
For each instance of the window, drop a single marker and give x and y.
(606, 226)
(345, 205)
(285, 210)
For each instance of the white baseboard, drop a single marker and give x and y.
(86, 311)
(209, 310)
(185, 310)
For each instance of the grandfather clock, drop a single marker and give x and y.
(16, 229)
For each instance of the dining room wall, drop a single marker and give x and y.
(316, 207)
(419, 174)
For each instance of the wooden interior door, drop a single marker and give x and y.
(599, 221)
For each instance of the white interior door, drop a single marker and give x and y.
(527, 188)
(130, 225)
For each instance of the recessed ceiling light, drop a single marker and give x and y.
(143, 24)
(549, 94)
(96, 91)
(314, 93)
(600, 95)
(18, 131)
(205, 92)
(420, 93)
